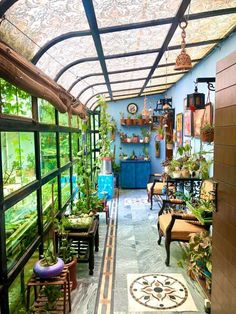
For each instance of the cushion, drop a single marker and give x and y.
(157, 187)
(181, 230)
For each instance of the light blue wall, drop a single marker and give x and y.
(114, 109)
(205, 68)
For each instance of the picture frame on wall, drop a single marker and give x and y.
(201, 117)
(188, 117)
(179, 129)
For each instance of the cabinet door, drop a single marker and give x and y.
(127, 175)
(142, 174)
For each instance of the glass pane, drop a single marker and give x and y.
(15, 101)
(74, 121)
(75, 139)
(65, 187)
(46, 112)
(17, 290)
(48, 152)
(64, 148)
(63, 119)
(49, 200)
(18, 160)
(21, 228)
(74, 178)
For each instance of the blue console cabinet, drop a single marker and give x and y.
(135, 174)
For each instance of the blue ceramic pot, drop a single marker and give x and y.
(48, 271)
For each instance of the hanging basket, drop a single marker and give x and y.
(208, 136)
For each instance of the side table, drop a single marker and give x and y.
(40, 300)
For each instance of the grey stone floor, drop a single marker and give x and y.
(137, 253)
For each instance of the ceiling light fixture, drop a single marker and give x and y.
(183, 60)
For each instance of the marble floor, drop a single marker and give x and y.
(136, 252)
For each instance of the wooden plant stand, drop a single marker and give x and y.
(40, 300)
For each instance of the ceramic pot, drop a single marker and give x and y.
(48, 271)
(73, 272)
(176, 174)
(185, 173)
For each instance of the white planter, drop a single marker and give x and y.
(128, 140)
(176, 174)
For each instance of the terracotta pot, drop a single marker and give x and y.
(140, 121)
(73, 272)
(135, 139)
(122, 121)
(135, 122)
(129, 121)
(207, 136)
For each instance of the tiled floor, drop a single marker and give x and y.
(137, 252)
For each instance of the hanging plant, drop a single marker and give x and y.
(207, 133)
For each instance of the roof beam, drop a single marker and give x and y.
(120, 71)
(127, 81)
(131, 54)
(91, 17)
(5, 5)
(179, 15)
(118, 28)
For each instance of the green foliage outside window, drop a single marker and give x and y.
(46, 112)
(48, 152)
(14, 101)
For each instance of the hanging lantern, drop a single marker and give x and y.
(196, 100)
(183, 60)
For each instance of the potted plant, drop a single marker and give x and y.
(53, 293)
(122, 119)
(104, 143)
(65, 252)
(135, 138)
(146, 153)
(160, 133)
(113, 129)
(129, 121)
(175, 168)
(207, 133)
(166, 165)
(140, 120)
(146, 135)
(134, 119)
(169, 143)
(198, 257)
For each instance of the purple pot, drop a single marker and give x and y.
(48, 271)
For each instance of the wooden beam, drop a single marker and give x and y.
(20, 72)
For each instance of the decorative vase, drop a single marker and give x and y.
(48, 271)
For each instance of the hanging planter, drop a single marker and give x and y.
(207, 133)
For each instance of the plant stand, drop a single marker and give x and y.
(84, 241)
(40, 300)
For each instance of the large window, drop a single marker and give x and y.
(32, 192)
(18, 160)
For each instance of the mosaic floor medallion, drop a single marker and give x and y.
(160, 292)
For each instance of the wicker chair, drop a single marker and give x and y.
(177, 225)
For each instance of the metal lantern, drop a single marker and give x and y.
(196, 100)
(183, 60)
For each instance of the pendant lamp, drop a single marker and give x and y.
(183, 60)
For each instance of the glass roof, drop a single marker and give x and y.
(131, 34)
